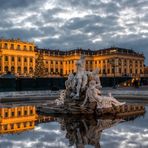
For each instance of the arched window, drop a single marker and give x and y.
(31, 69)
(12, 69)
(19, 70)
(18, 47)
(6, 45)
(6, 68)
(25, 69)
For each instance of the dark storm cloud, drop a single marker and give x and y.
(70, 24)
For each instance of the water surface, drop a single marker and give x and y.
(64, 132)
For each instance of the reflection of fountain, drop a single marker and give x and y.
(82, 131)
(83, 96)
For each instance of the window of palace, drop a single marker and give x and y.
(19, 59)
(46, 69)
(18, 47)
(31, 112)
(136, 71)
(6, 45)
(12, 126)
(6, 114)
(31, 124)
(95, 62)
(25, 59)
(31, 60)
(12, 69)
(141, 71)
(6, 68)
(19, 113)
(120, 70)
(25, 48)
(18, 125)
(51, 62)
(56, 62)
(25, 112)
(12, 114)
(108, 71)
(19, 69)
(6, 58)
(5, 127)
(25, 69)
(25, 124)
(31, 69)
(131, 71)
(0, 68)
(12, 59)
(51, 70)
(61, 71)
(61, 62)
(30, 47)
(113, 70)
(12, 46)
(56, 70)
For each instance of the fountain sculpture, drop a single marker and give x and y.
(83, 95)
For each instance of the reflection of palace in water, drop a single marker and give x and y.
(18, 119)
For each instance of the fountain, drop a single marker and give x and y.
(83, 96)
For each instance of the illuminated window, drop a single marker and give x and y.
(12, 114)
(12, 69)
(19, 59)
(6, 58)
(31, 112)
(12, 59)
(25, 69)
(31, 60)
(25, 112)
(12, 46)
(25, 48)
(5, 127)
(19, 69)
(31, 69)
(6, 45)
(12, 126)
(30, 47)
(6, 114)
(18, 47)
(19, 113)
(25, 59)
(6, 68)
(18, 125)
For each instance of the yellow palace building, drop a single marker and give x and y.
(19, 57)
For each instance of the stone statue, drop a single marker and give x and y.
(81, 77)
(83, 90)
(93, 95)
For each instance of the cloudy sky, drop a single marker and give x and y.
(69, 24)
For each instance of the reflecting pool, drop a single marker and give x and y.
(22, 127)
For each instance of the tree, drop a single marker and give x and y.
(40, 70)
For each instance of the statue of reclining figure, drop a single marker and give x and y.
(93, 95)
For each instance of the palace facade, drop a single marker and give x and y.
(19, 57)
